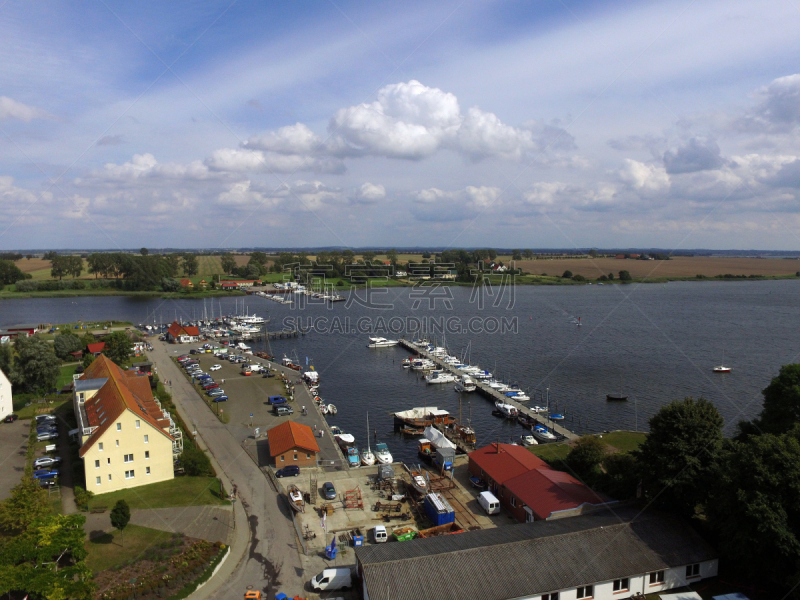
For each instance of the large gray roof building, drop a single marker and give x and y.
(597, 555)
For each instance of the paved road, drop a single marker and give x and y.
(13, 445)
(272, 561)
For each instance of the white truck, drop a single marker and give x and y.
(340, 578)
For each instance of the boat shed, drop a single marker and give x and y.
(602, 555)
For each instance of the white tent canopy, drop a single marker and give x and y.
(437, 438)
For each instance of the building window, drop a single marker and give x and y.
(97, 464)
(585, 592)
(137, 423)
(109, 476)
(108, 461)
(513, 502)
(308, 455)
(117, 443)
(283, 458)
(97, 480)
(147, 439)
(550, 596)
(621, 585)
(147, 470)
(147, 454)
(657, 578)
(129, 474)
(693, 570)
(295, 456)
(119, 426)
(128, 458)
(100, 446)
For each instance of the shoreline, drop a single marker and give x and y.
(521, 280)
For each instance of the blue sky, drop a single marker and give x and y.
(565, 124)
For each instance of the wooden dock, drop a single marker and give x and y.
(494, 395)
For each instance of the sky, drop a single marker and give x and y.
(670, 124)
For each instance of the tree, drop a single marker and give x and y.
(168, 284)
(9, 272)
(368, 256)
(58, 266)
(144, 251)
(391, 256)
(585, 458)
(27, 503)
(755, 508)
(781, 402)
(118, 347)
(196, 462)
(625, 276)
(190, 264)
(516, 255)
(567, 274)
(120, 515)
(37, 366)
(611, 277)
(252, 272)
(528, 254)
(88, 359)
(577, 277)
(593, 253)
(73, 265)
(621, 475)
(678, 458)
(228, 263)
(65, 344)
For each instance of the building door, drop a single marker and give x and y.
(528, 515)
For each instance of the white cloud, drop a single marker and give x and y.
(698, 154)
(241, 193)
(436, 205)
(292, 139)
(253, 161)
(482, 134)
(146, 167)
(11, 109)
(643, 177)
(369, 193)
(779, 109)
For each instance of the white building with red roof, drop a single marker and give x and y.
(182, 334)
(126, 438)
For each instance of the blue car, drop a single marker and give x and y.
(220, 399)
(274, 400)
(45, 474)
(204, 377)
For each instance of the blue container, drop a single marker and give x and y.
(439, 510)
(331, 552)
(358, 541)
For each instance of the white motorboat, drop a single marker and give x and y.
(528, 440)
(438, 352)
(367, 456)
(507, 411)
(440, 377)
(379, 342)
(465, 384)
(332, 409)
(382, 454)
(450, 360)
(345, 440)
(481, 375)
(722, 369)
(537, 409)
(542, 433)
(422, 364)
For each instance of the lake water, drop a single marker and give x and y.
(656, 342)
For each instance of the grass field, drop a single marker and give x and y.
(65, 377)
(111, 550)
(551, 452)
(624, 441)
(181, 491)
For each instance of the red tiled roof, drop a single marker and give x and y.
(176, 330)
(510, 461)
(118, 394)
(290, 435)
(186, 282)
(547, 491)
(96, 347)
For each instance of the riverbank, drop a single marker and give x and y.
(9, 294)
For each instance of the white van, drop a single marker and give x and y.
(333, 579)
(489, 503)
(379, 534)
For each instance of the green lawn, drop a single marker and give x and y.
(624, 441)
(65, 377)
(112, 550)
(551, 452)
(181, 491)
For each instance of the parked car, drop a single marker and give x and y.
(220, 399)
(290, 471)
(46, 461)
(203, 377)
(43, 437)
(11, 418)
(283, 411)
(215, 367)
(45, 473)
(328, 491)
(273, 400)
(210, 385)
(44, 418)
(215, 392)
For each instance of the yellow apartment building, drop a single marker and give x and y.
(127, 440)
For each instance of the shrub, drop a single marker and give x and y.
(82, 497)
(578, 278)
(196, 462)
(625, 276)
(567, 274)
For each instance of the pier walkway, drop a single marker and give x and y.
(493, 394)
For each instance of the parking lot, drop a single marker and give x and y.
(13, 445)
(249, 394)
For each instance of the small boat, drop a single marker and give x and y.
(379, 342)
(353, 459)
(556, 417)
(616, 397)
(296, 498)
(345, 440)
(506, 411)
(439, 377)
(412, 431)
(465, 384)
(336, 430)
(382, 454)
(525, 420)
(537, 409)
(422, 364)
(332, 409)
(406, 363)
(543, 434)
(518, 396)
(477, 482)
(722, 369)
(528, 440)
(424, 449)
(418, 481)
(367, 457)
(467, 434)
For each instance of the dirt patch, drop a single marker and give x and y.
(681, 266)
(34, 264)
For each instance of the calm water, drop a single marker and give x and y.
(656, 342)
